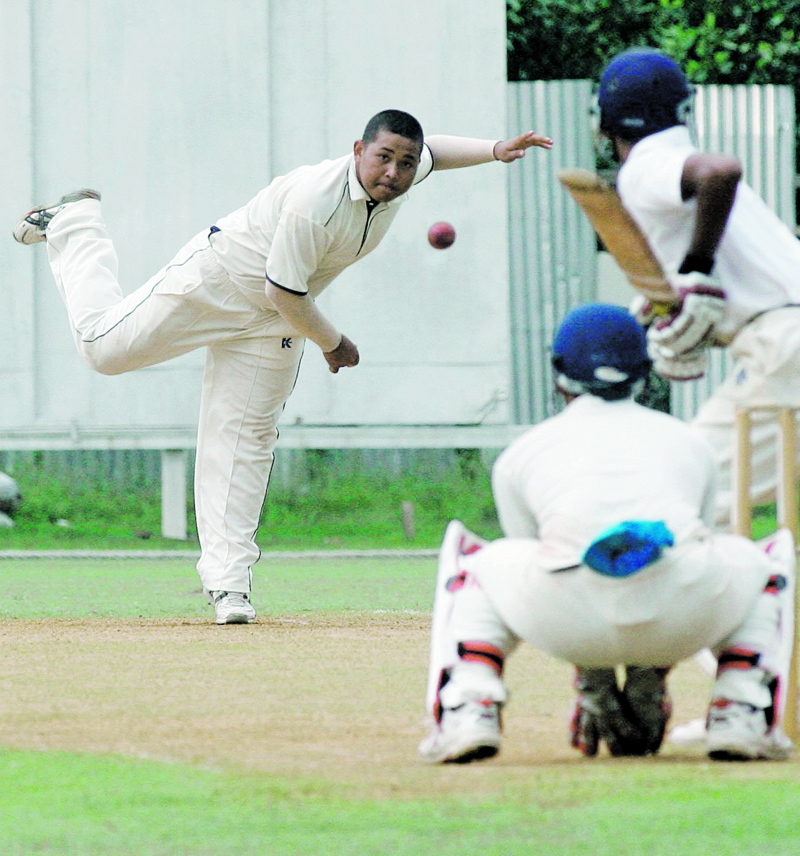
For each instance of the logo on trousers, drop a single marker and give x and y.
(286, 343)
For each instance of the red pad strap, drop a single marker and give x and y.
(482, 652)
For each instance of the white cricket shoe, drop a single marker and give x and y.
(32, 228)
(739, 732)
(691, 733)
(233, 607)
(470, 732)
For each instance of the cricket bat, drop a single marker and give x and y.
(620, 235)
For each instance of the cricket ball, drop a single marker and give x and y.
(441, 235)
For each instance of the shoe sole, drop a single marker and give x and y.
(477, 753)
(734, 752)
(464, 752)
(237, 618)
(29, 233)
(731, 754)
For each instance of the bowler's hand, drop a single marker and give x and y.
(344, 355)
(513, 149)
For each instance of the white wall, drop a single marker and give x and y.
(181, 111)
(612, 284)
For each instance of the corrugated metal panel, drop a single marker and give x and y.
(757, 124)
(553, 258)
(553, 266)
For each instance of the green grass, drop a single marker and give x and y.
(333, 508)
(78, 804)
(62, 804)
(142, 588)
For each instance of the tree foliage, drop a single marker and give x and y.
(571, 39)
(716, 41)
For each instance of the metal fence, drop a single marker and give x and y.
(552, 248)
(141, 469)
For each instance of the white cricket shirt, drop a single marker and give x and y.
(758, 259)
(305, 228)
(599, 463)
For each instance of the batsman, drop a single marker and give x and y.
(732, 267)
(610, 558)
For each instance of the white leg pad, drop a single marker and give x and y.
(767, 630)
(458, 542)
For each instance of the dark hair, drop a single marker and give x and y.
(395, 122)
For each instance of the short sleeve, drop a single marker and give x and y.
(298, 247)
(654, 181)
(513, 511)
(425, 167)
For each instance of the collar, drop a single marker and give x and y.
(676, 137)
(588, 402)
(357, 192)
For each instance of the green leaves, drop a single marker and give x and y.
(716, 41)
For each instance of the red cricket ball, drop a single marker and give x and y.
(441, 235)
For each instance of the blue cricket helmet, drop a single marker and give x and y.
(642, 91)
(600, 349)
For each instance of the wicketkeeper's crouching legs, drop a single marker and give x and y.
(470, 641)
(488, 597)
(469, 644)
(749, 693)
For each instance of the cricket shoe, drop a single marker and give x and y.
(233, 607)
(469, 732)
(691, 733)
(32, 228)
(739, 732)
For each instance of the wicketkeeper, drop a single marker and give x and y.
(611, 560)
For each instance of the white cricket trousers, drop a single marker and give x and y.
(692, 598)
(248, 374)
(766, 370)
(706, 592)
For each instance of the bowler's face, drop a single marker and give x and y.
(386, 167)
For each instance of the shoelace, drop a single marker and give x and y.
(234, 598)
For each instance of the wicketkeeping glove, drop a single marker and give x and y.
(702, 306)
(600, 716)
(647, 703)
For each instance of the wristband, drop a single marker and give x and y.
(696, 262)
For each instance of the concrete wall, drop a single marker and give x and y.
(180, 112)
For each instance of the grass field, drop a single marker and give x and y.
(331, 504)
(130, 724)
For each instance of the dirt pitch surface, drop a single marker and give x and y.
(335, 697)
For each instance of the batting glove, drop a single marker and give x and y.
(702, 306)
(689, 365)
(646, 311)
(599, 716)
(642, 310)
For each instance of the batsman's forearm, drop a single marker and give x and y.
(714, 204)
(454, 152)
(711, 180)
(302, 313)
